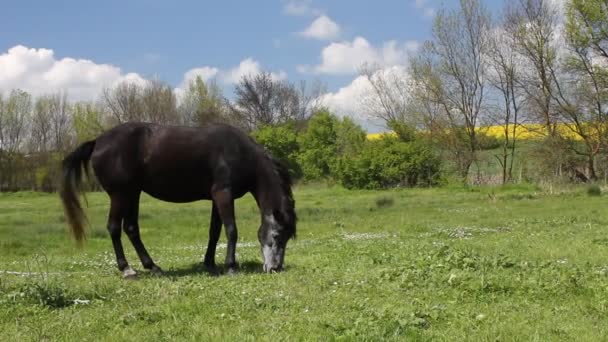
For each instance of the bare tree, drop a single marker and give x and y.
(504, 74)
(124, 102)
(310, 99)
(41, 126)
(14, 120)
(452, 69)
(389, 98)
(158, 103)
(533, 24)
(582, 101)
(60, 115)
(261, 100)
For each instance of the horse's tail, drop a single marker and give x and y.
(73, 164)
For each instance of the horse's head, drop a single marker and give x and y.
(275, 231)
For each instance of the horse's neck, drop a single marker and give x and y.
(269, 193)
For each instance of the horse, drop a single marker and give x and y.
(177, 164)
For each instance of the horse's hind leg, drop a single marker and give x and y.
(225, 205)
(131, 228)
(115, 218)
(215, 228)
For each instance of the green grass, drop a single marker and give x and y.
(509, 264)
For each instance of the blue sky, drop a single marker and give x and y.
(73, 44)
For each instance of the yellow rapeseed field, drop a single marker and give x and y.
(523, 131)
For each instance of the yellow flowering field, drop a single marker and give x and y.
(523, 131)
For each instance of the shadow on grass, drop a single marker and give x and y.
(245, 267)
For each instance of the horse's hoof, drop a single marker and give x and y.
(157, 271)
(211, 269)
(129, 274)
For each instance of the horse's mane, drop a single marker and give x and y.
(285, 183)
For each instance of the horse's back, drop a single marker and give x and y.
(174, 163)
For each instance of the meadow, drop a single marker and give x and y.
(480, 263)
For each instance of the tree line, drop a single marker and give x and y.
(36, 132)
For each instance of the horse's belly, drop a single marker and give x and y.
(176, 190)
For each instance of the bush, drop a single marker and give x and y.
(389, 162)
(282, 143)
(328, 138)
(594, 190)
(318, 146)
(487, 142)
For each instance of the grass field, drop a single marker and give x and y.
(500, 264)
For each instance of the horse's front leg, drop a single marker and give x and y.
(225, 205)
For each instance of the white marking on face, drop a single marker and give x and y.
(271, 251)
(268, 255)
(270, 219)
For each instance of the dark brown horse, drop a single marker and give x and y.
(182, 164)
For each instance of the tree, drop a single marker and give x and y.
(158, 102)
(318, 146)
(261, 100)
(60, 115)
(88, 121)
(202, 103)
(124, 102)
(389, 96)
(533, 25)
(452, 70)
(41, 126)
(282, 142)
(14, 120)
(504, 76)
(583, 103)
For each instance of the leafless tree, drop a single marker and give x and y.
(41, 126)
(14, 120)
(389, 98)
(60, 115)
(533, 25)
(582, 98)
(124, 102)
(504, 74)
(159, 103)
(310, 96)
(452, 70)
(262, 100)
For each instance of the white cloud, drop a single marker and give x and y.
(423, 6)
(38, 71)
(247, 67)
(205, 73)
(322, 28)
(346, 57)
(345, 101)
(353, 100)
(301, 8)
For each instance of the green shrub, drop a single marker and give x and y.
(318, 145)
(594, 190)
(384, 202)
(326, 139)
(487, 142)
(387, 163)
(282, 143)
